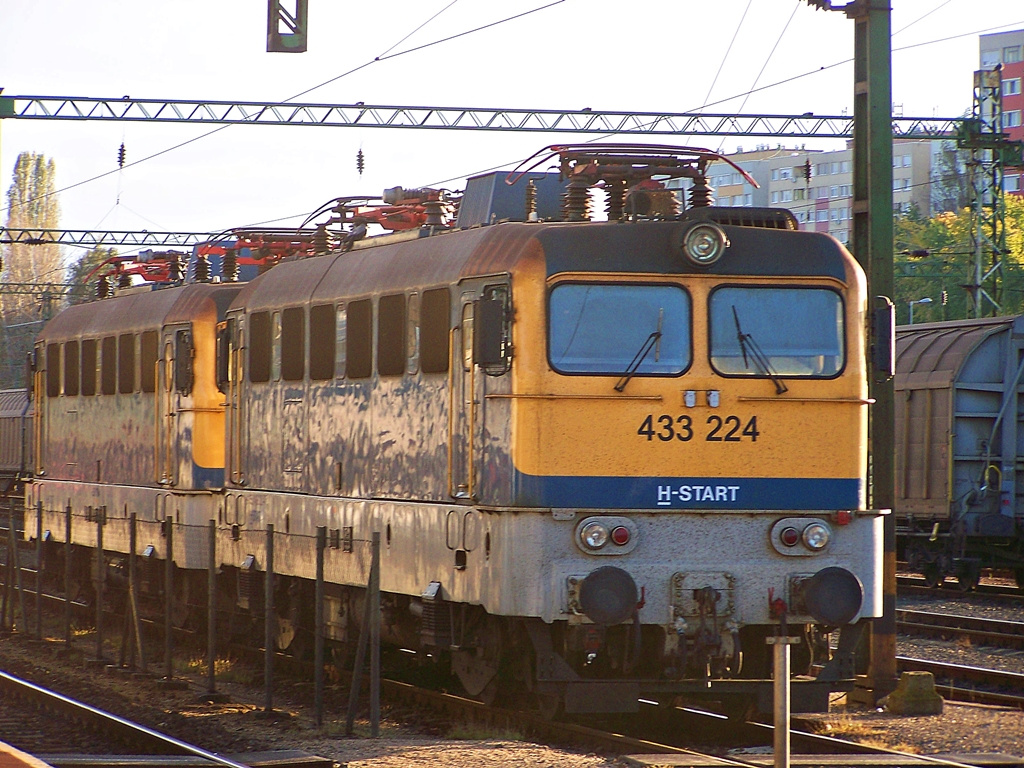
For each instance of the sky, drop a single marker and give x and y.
(658, 55)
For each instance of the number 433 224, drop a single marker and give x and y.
(717, 429)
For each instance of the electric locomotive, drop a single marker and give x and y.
(607, 460)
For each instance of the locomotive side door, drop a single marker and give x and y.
(478, 339)
(231, 381)
(166, 416)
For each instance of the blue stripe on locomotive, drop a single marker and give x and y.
(781, 493)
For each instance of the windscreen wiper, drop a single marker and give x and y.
(761, 361)
(645, 349)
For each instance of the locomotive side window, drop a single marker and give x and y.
(126, 363)
(293, 344)
(412, 335)
(184, 351)
(616, 329)
(89, 366)
(340, 341)
(435, 324)
(359, 339)
(773, 331)
(108, 365)
(322, 338)
(391, 335)
(275, 346)
(71, 372)
(259, 346)
(148, 355)
(52, 370)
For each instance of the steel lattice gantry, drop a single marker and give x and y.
(458, 118)
(96, 238)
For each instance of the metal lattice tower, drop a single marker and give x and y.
(983, 136)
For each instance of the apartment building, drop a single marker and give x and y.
(821, 200)
(1006, 51)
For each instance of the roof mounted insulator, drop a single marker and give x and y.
(701, 195)
(202, 274)
(531, 201)
(230, 265)
(576, 200)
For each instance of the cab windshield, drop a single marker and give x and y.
(614, 329)
(772, 331)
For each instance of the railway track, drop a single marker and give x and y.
(979, 631)
(92, 726)
(962, 682)
(916, 585)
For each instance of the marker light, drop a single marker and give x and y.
(620, 535)
(817, 536)
(594, 535)
(704, 243)
(789, 536)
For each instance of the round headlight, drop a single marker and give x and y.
(704, 243)
(817, 536)
(594, 535)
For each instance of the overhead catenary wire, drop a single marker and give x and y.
(375, 60)
(744, 94)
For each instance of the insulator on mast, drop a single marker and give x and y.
(360, 161)
(120, 156)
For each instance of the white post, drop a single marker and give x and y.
(781, 697)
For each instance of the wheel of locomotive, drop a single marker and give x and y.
(182, 590)
(478, 663)
(295, 618)
(933, 575)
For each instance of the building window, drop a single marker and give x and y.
(1011, 87)
(1011, 119)
(1011, 54)
(822, 169)
(801, 216)
(823, 214)
(787, 196)
(844, 166)
(1011, 183)
(775, 174)
(834, 214)
(775, 197)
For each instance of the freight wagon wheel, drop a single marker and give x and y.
(968, 576)
(933, 576)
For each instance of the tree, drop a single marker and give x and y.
(936, 255)
(83, 290)
(31, 204)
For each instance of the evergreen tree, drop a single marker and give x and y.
(31, 204)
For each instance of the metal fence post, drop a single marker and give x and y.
(318, 628)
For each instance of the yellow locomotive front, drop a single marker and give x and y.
(689, 400)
